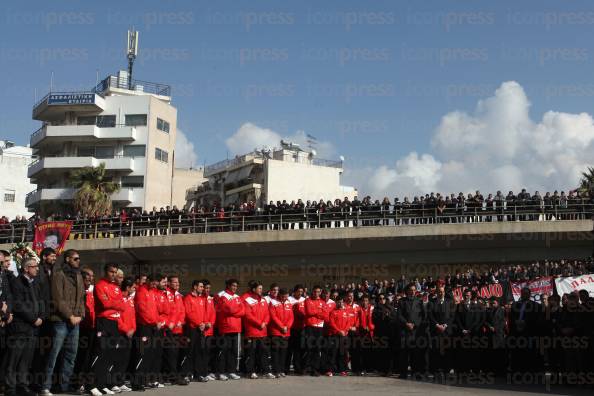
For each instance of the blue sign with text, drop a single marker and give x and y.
(69, 99)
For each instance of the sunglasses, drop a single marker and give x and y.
(75, 258)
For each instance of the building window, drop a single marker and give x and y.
(134, 150)
(86, 120)
(135, 119)
(162, 125)
(161, 155)
(106, 121)
(132, 181)
(97, 152)
(9, 196)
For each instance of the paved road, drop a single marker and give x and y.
(355, 386)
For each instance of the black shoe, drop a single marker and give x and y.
(183, 381)
(138, 388)
(26, 392)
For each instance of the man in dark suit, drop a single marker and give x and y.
(441, 314)
(5, 306)
(524, 320)
(496, 358)
(24, 329)
(410, 320)
(470, 318)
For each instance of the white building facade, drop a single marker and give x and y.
(287, 173)
(14, 183)
(131, 128)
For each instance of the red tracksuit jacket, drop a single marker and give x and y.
(366, 320)
(211, 315)
(298, 312)
(147, 312)
(230, 310)
(315, 313)
(195, 307)
(281, 315)
(109, 302)
(340, 320)
(177, 311)
(330, 305)
(127, 320)
(88, 321)
(353, 311)
(256, 313)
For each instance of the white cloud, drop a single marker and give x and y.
(185, 154)
(496, 147)
(250, 136)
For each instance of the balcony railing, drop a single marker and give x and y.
(135, 85)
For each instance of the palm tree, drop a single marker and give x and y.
(587, 181)
(93, 190)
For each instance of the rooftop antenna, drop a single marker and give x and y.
(132, 52)
(312, 141)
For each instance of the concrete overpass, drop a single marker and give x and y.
(341, 254)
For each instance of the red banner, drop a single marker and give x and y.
(486, 291)
(52, 234)
(537, 287)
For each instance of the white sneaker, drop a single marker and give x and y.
(211, 377)
(96, 392)
(160, 385)
(124, 388)
(282, 375)
(116, 389)
(45, 392)
(106, 391)
(254, 376)
(223, 377)
(269, 376)
(234, 376)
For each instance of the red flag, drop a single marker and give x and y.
(52, 234)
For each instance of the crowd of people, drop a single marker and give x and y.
(429, 209)
(63, 332)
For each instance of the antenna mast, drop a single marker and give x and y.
(132, 52)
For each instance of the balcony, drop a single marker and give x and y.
(55, 105)
(49, 164)
(80, 133)
(65, 194)
(121, 84)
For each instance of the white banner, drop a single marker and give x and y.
(575, 283)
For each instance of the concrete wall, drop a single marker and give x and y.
(291, 181)
(157, 185)
(340, 255)
(184, 179)
(13, 179)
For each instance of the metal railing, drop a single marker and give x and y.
(237, 221)
(122, 83)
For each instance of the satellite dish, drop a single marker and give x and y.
(341, 158)
(313, 153)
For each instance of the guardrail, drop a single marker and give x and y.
(135, 85)
(188, 223)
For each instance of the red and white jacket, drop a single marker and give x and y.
(177, 311)
(88, 321)
(330, 306)
(127, 320)
(281, 315)
(298, 312)
(109, 302)
(366, 325)
(211, 315)
(340, 321)
(230, 310)
(256, 314)
(315, 312)
(147, 312)
(353, 309)
(195, 307)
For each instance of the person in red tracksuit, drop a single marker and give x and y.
(296, 351)
(211, 316)
(255, 324)
(340, 322)
(127, 328)
(197, 319)
(355, 353)
(164, 300)
(365, 331)
(176, 317)
(86, 338)
(230, 310)
(315, 315)
(281, 320)
(148, 323)
(109, 305)
(330, 306)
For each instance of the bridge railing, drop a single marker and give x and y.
(237, 221)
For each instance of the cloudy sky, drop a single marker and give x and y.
(418, 96)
